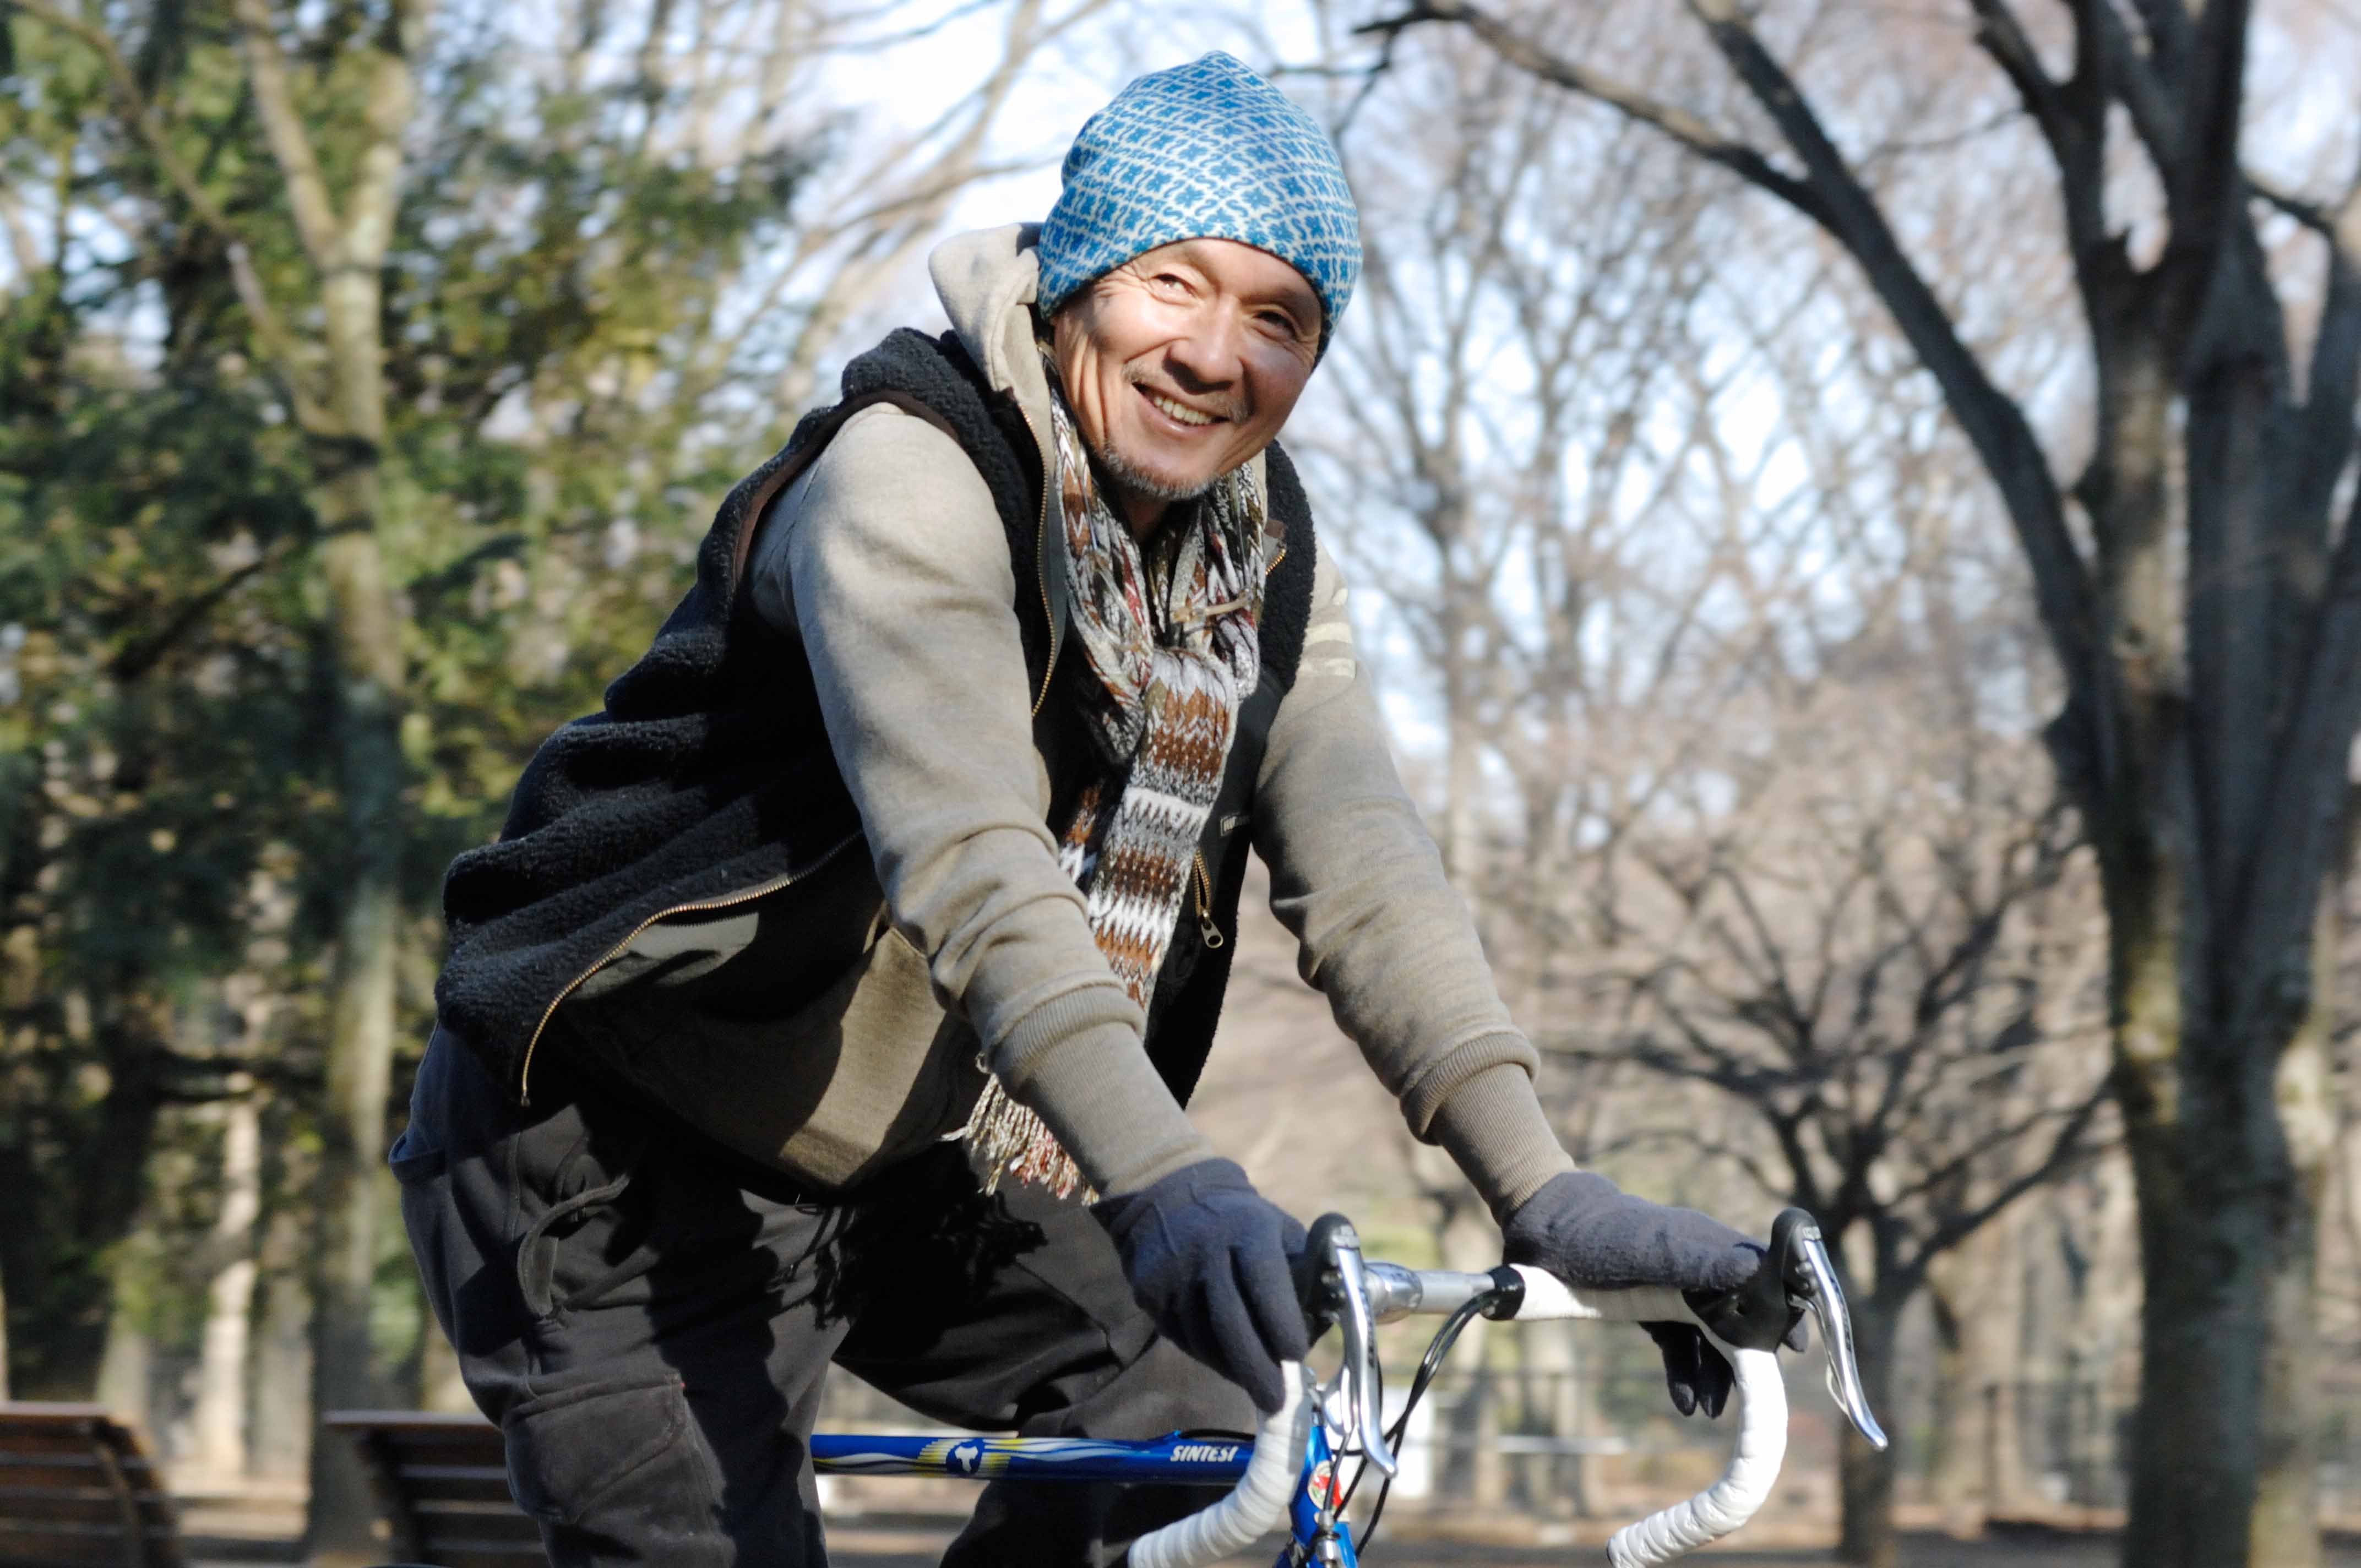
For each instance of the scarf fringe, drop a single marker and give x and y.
(1004, 1139)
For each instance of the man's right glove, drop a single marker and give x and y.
(1208, 1258)
(1592, 1234)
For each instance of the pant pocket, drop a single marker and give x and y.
(615, 1472)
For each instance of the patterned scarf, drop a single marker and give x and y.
(1169, 637)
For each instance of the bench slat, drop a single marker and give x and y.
(76, 1488)
(442, 1485)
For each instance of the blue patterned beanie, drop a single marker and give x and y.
(1206, 150)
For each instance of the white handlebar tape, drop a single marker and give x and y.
(1257, 1503)
(1761, 1413)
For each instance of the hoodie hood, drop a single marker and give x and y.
(988, 280)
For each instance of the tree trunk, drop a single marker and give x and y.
(344, 1373)
(1958, 1405)
(124, 1369)
(1548, 1370)
(218, 1423)
(1981, 1466)
(1865, 1534)
(366, 621)
(440, 1386)
(359, 1066)
(75, 1327)
(2286, 1528)
(279, 1440)
(2207, 1238)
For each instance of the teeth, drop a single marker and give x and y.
(1184, 414)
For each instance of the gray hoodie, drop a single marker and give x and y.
(888, 559)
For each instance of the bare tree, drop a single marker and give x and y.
(1488, 338)
(1874, 949)
(2204, 608)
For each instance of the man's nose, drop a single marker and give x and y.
(1210, 358)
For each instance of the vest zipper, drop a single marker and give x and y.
(1202, 884)
(1041, 560)
(746, 895)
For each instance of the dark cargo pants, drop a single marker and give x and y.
(651, 1325)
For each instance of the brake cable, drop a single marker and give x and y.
(1437, 1349)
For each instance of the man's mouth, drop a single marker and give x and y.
(1179, 413)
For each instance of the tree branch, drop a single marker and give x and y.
(2066, 1151)
(2203, 182)
(2000, 35)
(2308, 787)
(2324, 425)
(389, 105)
(2134, 80)
(274, 100)
(2168, 36)
(1832, 195)
(1745, 161)
(1992, 418)
(147, 125)
(141, 657)
(278, 344)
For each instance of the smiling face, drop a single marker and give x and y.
(1181, 364)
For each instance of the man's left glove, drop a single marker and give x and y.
(1592, 1234)
(1207, 1257)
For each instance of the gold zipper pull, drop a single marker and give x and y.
(1202, 883)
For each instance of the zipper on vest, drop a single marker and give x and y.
(745, 895)
(1202, 884)
(1041, 560)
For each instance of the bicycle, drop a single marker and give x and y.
(1287, 1469)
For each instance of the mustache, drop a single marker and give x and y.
(1229, 408)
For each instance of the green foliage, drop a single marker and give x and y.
(569, 400)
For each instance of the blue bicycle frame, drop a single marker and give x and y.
(1191, 1460)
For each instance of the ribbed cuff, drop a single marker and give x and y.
(1423, 1097)
(1494, 1128)
(1089, 1078)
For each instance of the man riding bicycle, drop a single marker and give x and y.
(909, 851)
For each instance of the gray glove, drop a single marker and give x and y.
(1592, 1234)
(1208, 1258)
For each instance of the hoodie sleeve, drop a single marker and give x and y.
(888, 558)
(1380, 930)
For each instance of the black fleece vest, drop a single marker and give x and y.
(706, 781)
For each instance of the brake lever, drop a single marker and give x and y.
(1333, 1282)
(1812, 1274)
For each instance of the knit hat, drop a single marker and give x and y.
(1206, 150)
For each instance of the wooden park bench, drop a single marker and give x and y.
(76, 1489)
(443, 1484)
